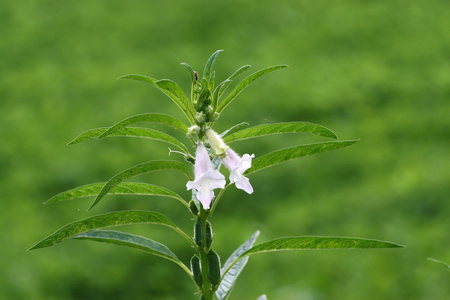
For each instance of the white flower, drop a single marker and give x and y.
(206, 178)
(237, 167)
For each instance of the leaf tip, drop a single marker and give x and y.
(122, 77)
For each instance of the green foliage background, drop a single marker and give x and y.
(375, 70)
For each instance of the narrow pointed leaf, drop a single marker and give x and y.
(170, 88)
(132, 241)
(279, 128)
(216, 92)
(151, 166)
(124, 188)
(209, 65)
(234, 129)
(244, 83)
(140, 78)
(173, 90)
(147, 118)
(230, 276)
(230, 79)
(190, 71)
(280, 156)
(138, 132)
(262, 297)
(317, 243)
(440, 262)
(105, 221)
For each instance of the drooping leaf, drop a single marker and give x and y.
(104, 221)
(171, 89)
(234, 129)
(138, 132)
(244, 83)
(148, 118)
(132, 241)
(230, 276)
(209, 65)
(123, 188)
(140, 169)
(279, 128)
(280, 156)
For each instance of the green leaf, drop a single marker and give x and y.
(440, 262)
(104, 221)
(138, 132)
(171, 89)
(314, 243)
(317, 243)
(190, 71)
(124, 188)
(262, 297)
(280, 156)
(209, 65)
(148, 118)
(234, 129)
(132, 241)
(230, 276)
(278, 128)
(229, 80)
(155, 165)
(244, 83)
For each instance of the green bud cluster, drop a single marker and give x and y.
(203, 103)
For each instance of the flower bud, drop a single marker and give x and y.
(200, 117)
(209, 110)
(214, 117)
(193, 131)
(220, 148)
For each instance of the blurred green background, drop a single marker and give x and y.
(374, 70)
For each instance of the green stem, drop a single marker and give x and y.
(216, 201)
(208, 293)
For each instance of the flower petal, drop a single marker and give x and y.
(206, 178)
(244, 184)
(237, 167)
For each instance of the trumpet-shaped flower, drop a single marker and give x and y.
(237, 166)
(220, 148)
(206, 178)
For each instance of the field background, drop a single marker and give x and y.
(374, 70)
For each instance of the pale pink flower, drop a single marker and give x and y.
(237, 166)
(206, 178)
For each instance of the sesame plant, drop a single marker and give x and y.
(204, 170)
